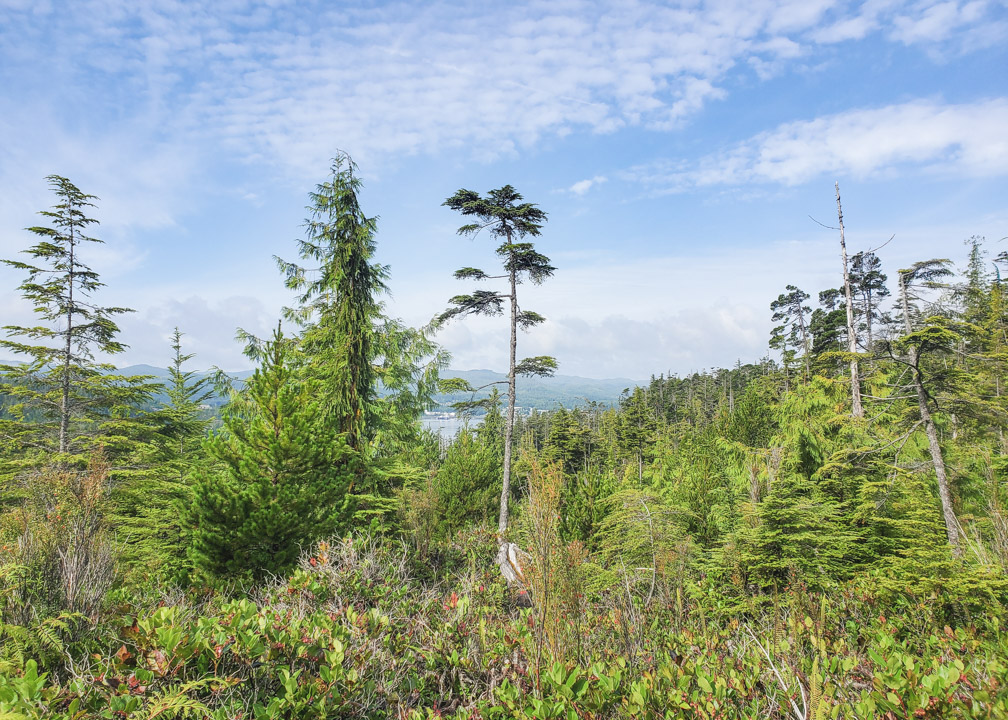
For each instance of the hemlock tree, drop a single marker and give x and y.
(346, 342)
(338, 300)
(283, 478)
(506, 218)
(62, 391)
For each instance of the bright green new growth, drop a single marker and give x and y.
(338, 307)
(282, 478)
(346, 342)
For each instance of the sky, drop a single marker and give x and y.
(685, 153)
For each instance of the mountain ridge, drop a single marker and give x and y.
(532, 392)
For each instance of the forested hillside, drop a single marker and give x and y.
(821, 533)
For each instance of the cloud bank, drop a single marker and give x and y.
(965, 140)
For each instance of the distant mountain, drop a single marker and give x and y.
(162, 375)
(543, 393)
(532, 393)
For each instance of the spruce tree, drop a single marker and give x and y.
(282, 479)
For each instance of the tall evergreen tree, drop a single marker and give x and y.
(868, 283)
(346, 341)
(790, 309)
(503, 214)
(338, 300)
(283, 475)
(62, 395)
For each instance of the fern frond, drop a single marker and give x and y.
(178, 703)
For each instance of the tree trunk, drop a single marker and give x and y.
(502, 522)
(856, 409)
(64, 429)
(869, 309)
(951, 524)
(805, 341)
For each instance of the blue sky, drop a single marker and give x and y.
(678, 148)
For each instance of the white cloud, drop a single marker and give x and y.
(958, 140)
(142, 103)
(583, 186)
(208, 324)
(288, 84)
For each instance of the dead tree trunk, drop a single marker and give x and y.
(856, 409)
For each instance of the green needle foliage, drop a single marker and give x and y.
(185, 424)
(149, 505)
(282, 480)
(62, 400)
(338, 299)
(346, 341)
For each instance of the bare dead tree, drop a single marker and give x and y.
(856, 409)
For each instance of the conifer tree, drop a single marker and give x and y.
(790, 309)
(506, 218)
(346, 341)
(338, 300)
(62, 397)
(637, 425)
(282, 480)
(828, 323)
(187, 393)
(868, 283)
(491, 430)
(149, 505)
(465, 482)
(918, 344)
